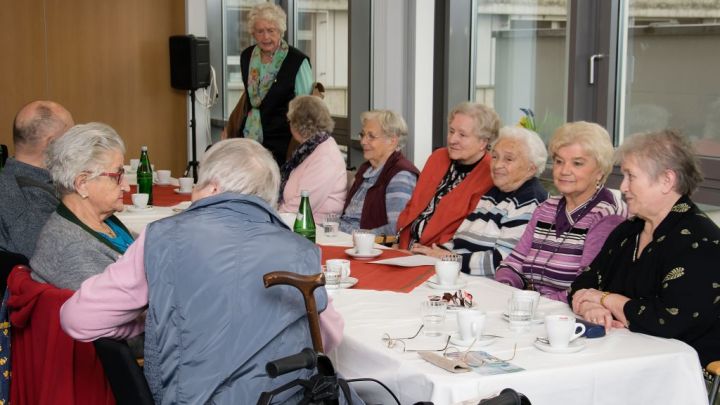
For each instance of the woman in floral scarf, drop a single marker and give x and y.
(273, 74)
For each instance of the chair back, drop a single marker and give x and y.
(123, 372)
(4, 154)
(8, 260)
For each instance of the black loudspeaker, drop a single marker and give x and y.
(189, 62)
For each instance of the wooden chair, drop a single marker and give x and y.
(714, 370)
(125, 376)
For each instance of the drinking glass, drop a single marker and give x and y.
(433, 317)
(520, 312)
(331, 225)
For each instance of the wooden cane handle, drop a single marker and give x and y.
(306, 285)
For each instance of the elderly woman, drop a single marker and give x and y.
(384, 184)
(566, 232)
(317, 164)
(656, 274)
(82, 236)
(231, 232)
(273, 74)
(453, 179)
(493, 229)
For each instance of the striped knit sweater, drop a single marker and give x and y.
(491, 231)
(556, 244)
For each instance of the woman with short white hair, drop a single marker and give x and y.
(83, 236)
(273, 73)
(491, 231)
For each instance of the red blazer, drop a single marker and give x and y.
(48, 366)
(452, 208)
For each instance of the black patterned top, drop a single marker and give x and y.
(674, 286)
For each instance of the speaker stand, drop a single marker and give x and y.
(192, 164)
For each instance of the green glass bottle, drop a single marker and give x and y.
(145, 175)
(304, 222)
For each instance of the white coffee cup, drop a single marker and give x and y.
(140, 200)
(527, 294)
(364, 241)
(186, 184)
(134, 163)
(470, 323)
(562, 329)
(447, 272)
(341, 266)
(332, 276)
(163, 176)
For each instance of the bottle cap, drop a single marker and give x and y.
(143, 148)
(304, 193)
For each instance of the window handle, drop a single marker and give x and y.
(593, 58)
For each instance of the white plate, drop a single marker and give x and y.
(483, 341)
(574, 346)
(177, 190)
(432, 283)
(539, 317)
(132, 208)
(346, 282)
(373, 253)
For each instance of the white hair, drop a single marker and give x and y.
(268, 12)
(83, 148)
(534, 147)
(243, 166)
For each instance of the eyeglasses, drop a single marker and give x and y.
(263, 31)
(370, 136)
(392, 342)
(118, 176)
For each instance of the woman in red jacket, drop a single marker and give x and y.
(453, 179)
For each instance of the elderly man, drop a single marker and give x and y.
(211, 325)
(28, 196)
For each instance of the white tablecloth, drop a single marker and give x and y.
(620, 368)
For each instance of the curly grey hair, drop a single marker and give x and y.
(391, 123)
(487, 121)
(85, 148)
(309, 115)
(268, 12)
(243, 166)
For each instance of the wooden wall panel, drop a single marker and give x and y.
(22, 71)
(108, 61)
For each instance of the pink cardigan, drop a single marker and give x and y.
(323, 175)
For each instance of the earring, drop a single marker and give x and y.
(598, 185)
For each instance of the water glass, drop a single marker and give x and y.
(433, 317)
(331, 225)
(520, 313)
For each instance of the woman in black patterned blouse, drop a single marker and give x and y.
(658, 272)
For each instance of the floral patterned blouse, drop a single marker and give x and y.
(674, 286)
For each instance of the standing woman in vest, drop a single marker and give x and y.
(384, 184)
(273, 74)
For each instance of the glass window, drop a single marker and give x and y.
(520, 60)
(671, 57)
(322, 34)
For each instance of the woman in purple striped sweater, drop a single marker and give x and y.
(567, 231)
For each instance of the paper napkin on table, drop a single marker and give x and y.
(453, 366)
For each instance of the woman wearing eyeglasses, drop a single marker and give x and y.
(384, 184)
(82, 236)
(273, 74)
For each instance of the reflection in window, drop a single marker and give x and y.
(322, 34)
(673, 50)
(520, 60)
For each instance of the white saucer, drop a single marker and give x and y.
(133, 208)
(373, 253)
(482, 341)
(539, 318)
(574, 346)
(432, 283)
(177, 190)
(347, 282)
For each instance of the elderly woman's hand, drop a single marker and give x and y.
(434, 250)
(589, 295)
(598, 314)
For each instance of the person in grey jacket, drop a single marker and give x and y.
(211, 324)
(82, 236)
(27, 195)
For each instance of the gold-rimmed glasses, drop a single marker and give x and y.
(472, 360)
(392, 342)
